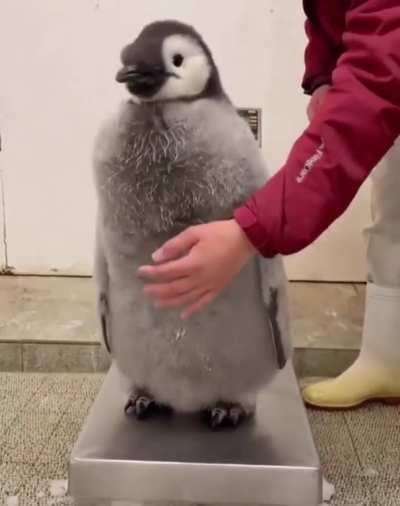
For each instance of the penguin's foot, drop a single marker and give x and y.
(142, 406)
(225, 414)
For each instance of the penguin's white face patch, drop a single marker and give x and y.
(188, 65)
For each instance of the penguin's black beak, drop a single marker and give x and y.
(142, 80)
(135, 74)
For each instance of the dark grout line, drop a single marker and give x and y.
(12, 274)
(89, 276)
(323, 282)
(311, 349)
(56, 342)
(21, 353)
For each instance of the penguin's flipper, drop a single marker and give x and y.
(101, 277)
(274, 287)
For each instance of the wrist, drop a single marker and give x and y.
(246, 248)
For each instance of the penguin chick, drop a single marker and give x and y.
(177, 154)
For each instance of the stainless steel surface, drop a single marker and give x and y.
(270, 460)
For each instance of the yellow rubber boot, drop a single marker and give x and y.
(375, 375)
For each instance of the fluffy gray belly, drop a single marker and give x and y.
(223, 353)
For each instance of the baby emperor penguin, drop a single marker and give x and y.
(175, 155)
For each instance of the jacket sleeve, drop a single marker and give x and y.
(321, 55)
(356, 126)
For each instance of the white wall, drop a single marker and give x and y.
(59, 58)
(2, 225)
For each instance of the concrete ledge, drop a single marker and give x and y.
(314, 362)
(84, 358)
(49, 325)
(52, 357)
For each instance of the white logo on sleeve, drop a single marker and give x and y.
(311, 162)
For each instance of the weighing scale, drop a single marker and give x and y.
(270, 460)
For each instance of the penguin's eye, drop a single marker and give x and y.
(177, 60)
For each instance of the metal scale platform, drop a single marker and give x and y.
(118, 461)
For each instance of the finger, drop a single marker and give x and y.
(177, 246)
(169, 271)
(182, 300)
(198, 305)
(170, 290)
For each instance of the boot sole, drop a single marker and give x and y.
(389, 401)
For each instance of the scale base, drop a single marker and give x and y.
(270, 460)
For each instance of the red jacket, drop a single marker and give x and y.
(355, 46)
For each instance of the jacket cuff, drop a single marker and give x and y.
(310, 85)
(254, 231)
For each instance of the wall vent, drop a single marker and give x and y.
(253, 118)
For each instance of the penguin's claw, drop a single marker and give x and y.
(225, 415)
(236, 414)
(217, 417)
(141, 406)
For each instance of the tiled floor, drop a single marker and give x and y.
(41, 415)
(49, 324)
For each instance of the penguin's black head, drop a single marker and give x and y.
(169, 60)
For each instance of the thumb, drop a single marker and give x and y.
(177, 246)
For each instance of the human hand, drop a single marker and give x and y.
(195, 266)
(316, 100)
